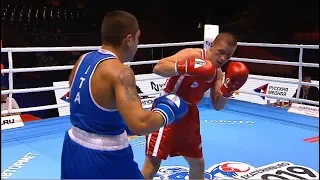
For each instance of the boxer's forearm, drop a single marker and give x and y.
(219, 102)
(149, 123)
(165, 68)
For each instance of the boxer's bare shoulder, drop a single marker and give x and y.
(192, 51)
(166, 66)
(74, 69)
(185, 54)
(128, 81)
(122, 80)
(103, 67)
(127, 99)
(119, 74)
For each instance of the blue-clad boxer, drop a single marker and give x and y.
(104, 102)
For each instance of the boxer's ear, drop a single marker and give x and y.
(128, 40)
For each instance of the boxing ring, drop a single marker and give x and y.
(243, 141)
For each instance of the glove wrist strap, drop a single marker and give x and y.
(180, 67)
(164, 117)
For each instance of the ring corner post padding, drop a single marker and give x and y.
(210, 33)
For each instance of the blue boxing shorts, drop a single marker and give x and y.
(91, 156)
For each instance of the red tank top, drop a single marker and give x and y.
(189, 88)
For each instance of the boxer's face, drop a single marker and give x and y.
(221, 53)
(132, 42)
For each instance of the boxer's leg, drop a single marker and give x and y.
(150, 167)
(158, 147)
(190, 146)
(194, 157)
(196, 165)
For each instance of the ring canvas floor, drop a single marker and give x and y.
(237, 142)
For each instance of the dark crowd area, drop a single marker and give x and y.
(58, 23)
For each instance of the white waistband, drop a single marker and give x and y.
(99, 142)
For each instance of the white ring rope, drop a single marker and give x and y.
(54, 106)
(68, 67)
(12, 70)
(52, 88)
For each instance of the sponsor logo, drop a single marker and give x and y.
(156, 86)
(66, 97)
(199, 63)
(262, 89)
(272, 90)
(147, 101)
(309, 109)
(194, 85)
(240, 170)
(278, 90)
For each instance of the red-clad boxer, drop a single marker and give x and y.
(191, 73)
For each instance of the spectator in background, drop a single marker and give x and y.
(5, 103)
(308, 92)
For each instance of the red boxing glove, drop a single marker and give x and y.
(235, 77)
(194, 66)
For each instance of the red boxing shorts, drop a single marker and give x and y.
(180, 139)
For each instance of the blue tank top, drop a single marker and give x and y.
(85, 113)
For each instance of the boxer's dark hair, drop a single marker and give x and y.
(229, 38)
(116, 25)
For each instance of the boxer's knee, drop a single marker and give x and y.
(151, 166)
(196, 167)
(195, 162)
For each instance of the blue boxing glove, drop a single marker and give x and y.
(171, 107)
